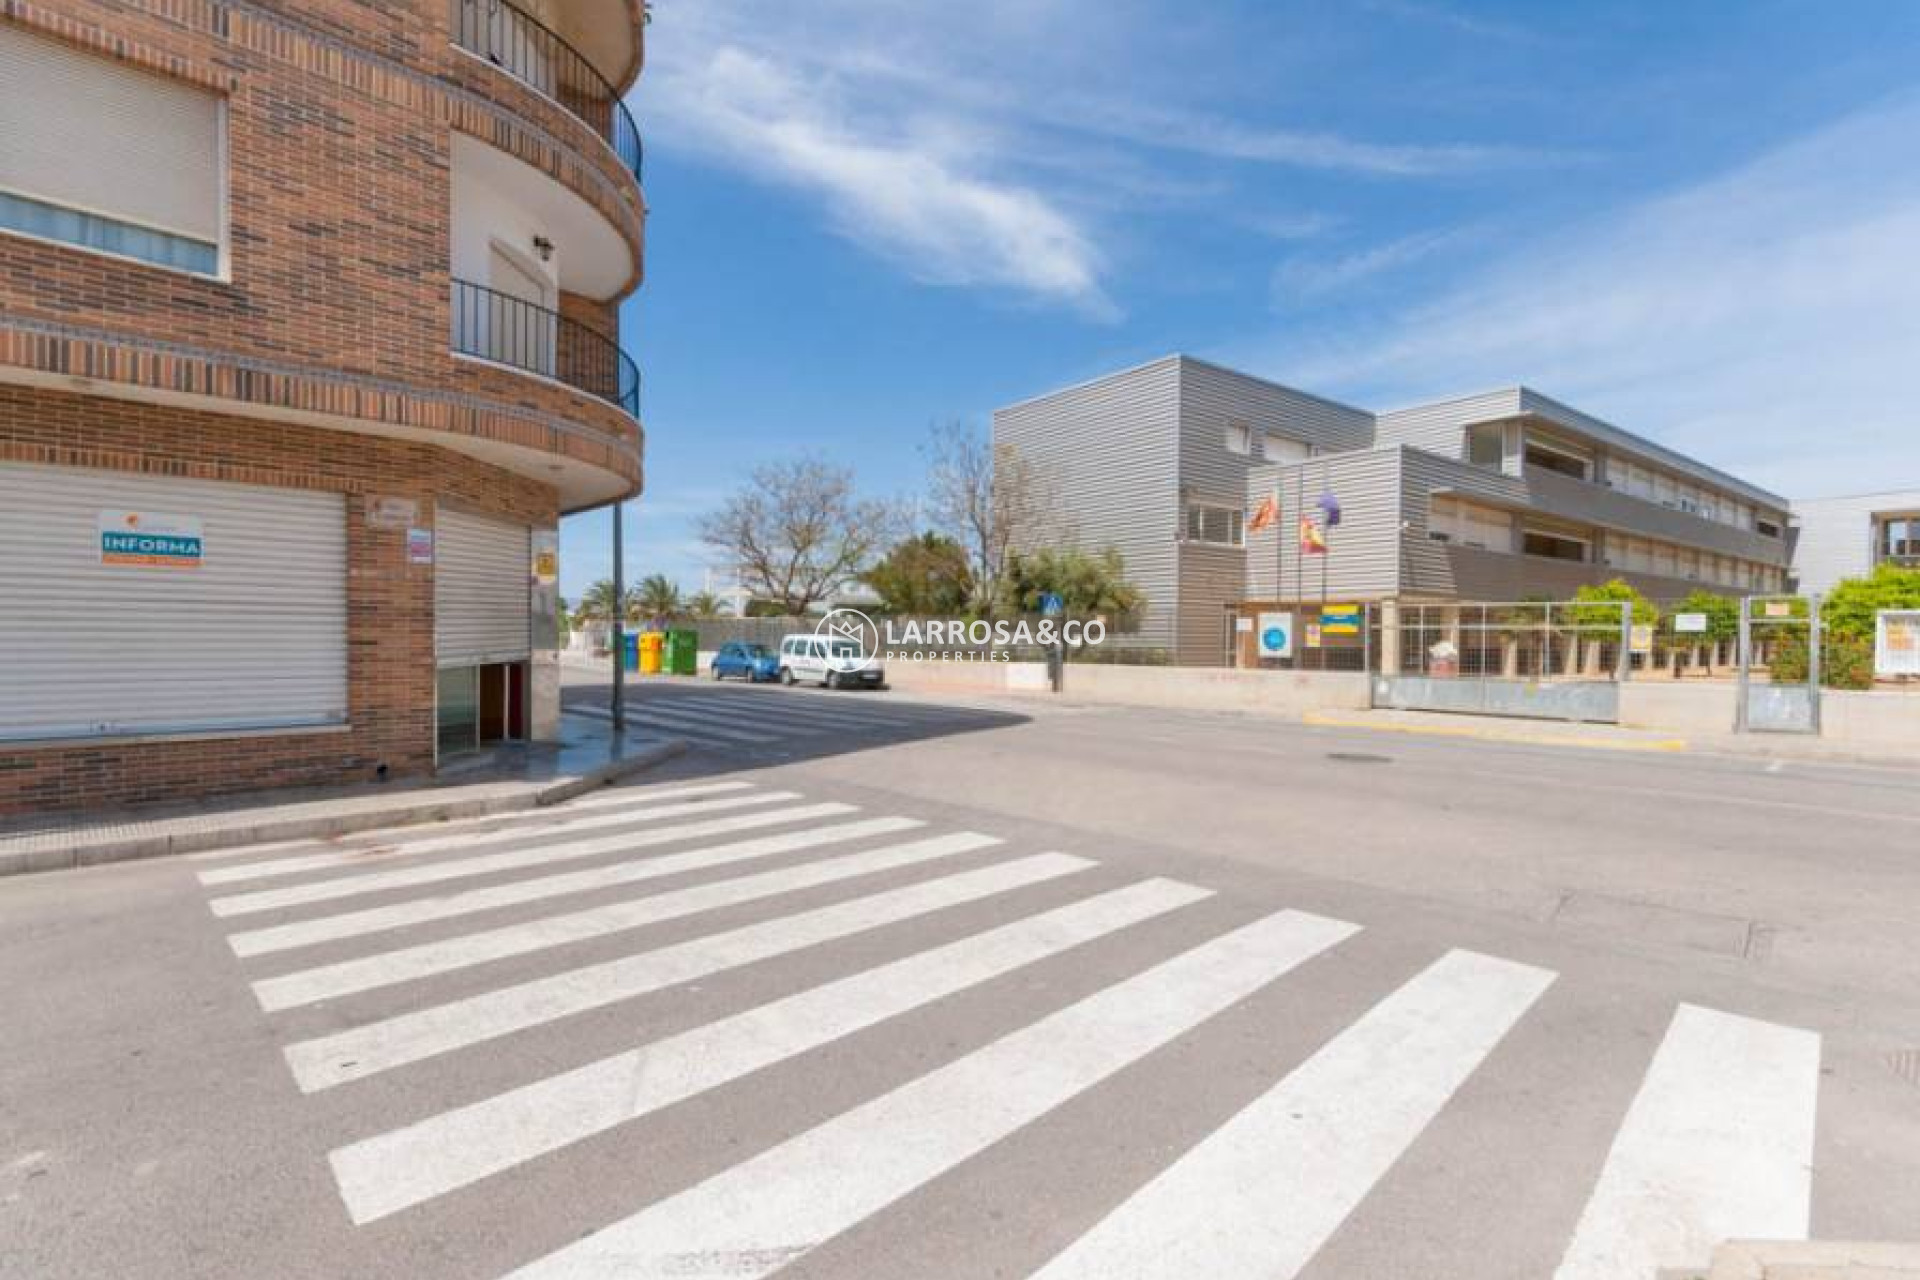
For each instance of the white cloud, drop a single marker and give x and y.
(1766, 320)
(905, 193)
(1305, 279)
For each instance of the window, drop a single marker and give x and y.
(1900, 538)
(1487, 445)
(1281, 448)
(1766, 528)
(1553, 546)
(118, 160)
(1469, 524)
(1239, 438)
(1219, 526)
(1551, 458)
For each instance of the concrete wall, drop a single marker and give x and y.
(1873, 722)
(1190, 688)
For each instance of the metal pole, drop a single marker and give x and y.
(619, 621)
(1746, 661)
(1816, 635)
(1626, 640)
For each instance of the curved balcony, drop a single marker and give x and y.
(502, 329)
(520, 45)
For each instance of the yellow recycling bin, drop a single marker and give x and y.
(653, 646)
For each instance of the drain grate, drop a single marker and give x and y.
(1906, 1065)
(1358, 757)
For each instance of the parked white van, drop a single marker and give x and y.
(833, 663)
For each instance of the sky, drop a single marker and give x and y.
(1699, 221)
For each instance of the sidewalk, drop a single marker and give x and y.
(1602, 737)
(589, 756)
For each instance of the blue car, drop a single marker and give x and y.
(753, 662)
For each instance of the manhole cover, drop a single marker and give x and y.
(1358, 757)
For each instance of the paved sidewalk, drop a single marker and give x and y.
(589, 756)
(1603, 737)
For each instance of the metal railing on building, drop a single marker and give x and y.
(490, 325)
(519, 44)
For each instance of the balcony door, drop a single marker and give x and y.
(521, 323)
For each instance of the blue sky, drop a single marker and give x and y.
(1698, 220)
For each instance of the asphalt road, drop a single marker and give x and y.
(875, 986)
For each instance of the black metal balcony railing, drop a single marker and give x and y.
(518, 44)
(507, 330)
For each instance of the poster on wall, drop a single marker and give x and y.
(150, 540)
(1275, 633)
(1896, 646)
(419, 546)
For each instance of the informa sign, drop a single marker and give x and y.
(1896, 643)
(1276, 635)
(419, 546)
(150, 540)
(1690, 624)
(1340, 619)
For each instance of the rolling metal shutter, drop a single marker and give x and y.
(108, 138)
(252, 636)
(481, 608)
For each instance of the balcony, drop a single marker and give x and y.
(502, 329)
(518, 44)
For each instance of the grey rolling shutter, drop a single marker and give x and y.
(103, 642)
(107, 138)
(481, 607)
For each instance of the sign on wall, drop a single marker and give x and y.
(150, 540)
(1340, 619)
(1690, 624)
(1896, 643)
(387, 511)
(1275, 631)
(1640, 638)
(419, 546)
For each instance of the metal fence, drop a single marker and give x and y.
(1532, 641)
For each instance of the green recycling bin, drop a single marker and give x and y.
(683, 653)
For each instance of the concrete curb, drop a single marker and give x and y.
(123, 842)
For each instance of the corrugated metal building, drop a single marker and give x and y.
(1837, 538)
(1497, 496)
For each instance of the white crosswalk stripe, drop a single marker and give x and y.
(518, 892)
(410, 964)
(1262, 1194)
(516, 858)
(787, 708)
(364, 1051)
(1718, 1145)
(1718, 1142)
(686, 725)
(386, 1174)
(435, 841)
(614, 797)
(764, 1213)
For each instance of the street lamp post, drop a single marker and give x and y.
(619, 627)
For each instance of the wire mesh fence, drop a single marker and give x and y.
(1523, 640)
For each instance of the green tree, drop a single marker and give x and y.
(929, 574)
(1088, 585)
(1849, 617)
(1614, 593)
(657, 597)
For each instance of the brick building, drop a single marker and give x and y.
(308, 337)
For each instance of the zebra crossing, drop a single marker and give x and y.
(742, 718)
(1717, 1141)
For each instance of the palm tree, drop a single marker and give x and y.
(657, 597)
(600, 602)
(703, 604)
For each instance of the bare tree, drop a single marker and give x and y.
(986, 496)
(799, 532)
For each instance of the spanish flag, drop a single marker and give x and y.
(1313, 542)
(1264, 514)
